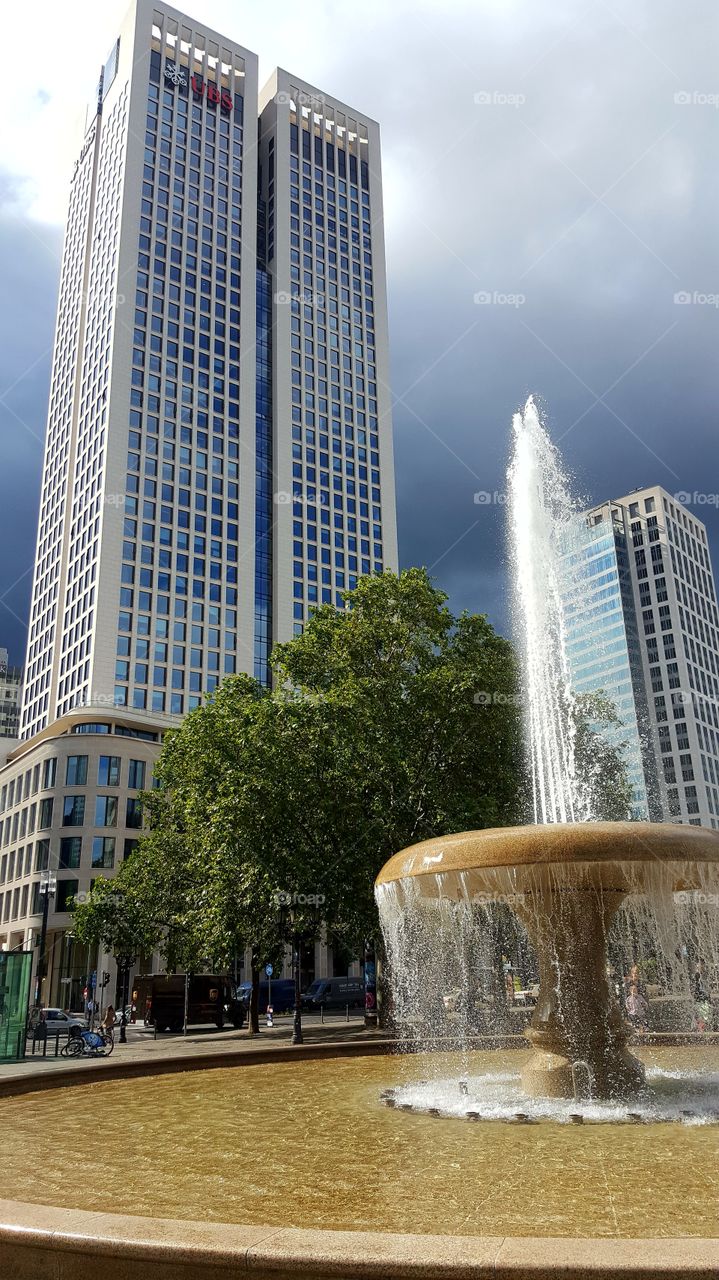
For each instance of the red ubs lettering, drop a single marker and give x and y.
(202, 88)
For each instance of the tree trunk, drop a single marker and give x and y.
(255, 1001)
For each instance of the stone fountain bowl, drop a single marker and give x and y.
(565, 882)
(616, 852)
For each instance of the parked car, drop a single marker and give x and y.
(334, 993)
(159, 1000)
(54, 1020)
(283, 995)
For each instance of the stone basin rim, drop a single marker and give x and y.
(558, 843)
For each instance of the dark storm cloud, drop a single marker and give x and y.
(561, 152)
(583, 180)
(29, 267)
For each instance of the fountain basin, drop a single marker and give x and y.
(565, 882)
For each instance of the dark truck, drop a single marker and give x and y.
(158, 1000)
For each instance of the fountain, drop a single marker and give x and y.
(570, 881)
(352, 1160)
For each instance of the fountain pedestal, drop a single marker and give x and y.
(565, 882)
(578, 1033)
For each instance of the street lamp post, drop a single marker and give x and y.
(48, 886)
(124, 964)
(297, 1037)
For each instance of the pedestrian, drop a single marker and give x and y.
(109, 1019)
(637, 1009)
(702, 999)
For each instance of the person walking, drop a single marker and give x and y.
(703, 1013)
(637, 1009)
(109, 1019)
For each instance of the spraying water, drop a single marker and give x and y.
(541, 515)
(451, 936)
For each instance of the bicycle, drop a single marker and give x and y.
(88, 1044)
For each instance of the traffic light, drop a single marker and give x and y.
(105, 978)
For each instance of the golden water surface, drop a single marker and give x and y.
(308, 1144)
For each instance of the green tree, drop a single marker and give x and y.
(390, 721)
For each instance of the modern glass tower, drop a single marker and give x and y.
(602, 644)
(218, 451)
(144, 586)
(323, 249)
(642, 624)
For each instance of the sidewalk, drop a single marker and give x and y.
(142, 1047)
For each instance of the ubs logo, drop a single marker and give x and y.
(201, 88)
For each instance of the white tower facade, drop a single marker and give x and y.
(147, 503)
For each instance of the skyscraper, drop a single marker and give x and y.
(147, 499)
(218, 455)
(323, 245)
(602, 643)
(642, 624)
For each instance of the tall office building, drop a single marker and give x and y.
(602, 643)
(218, 455)
(144, 587)
(322, 243)
(642, 624)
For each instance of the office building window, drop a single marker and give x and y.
(106, 811)
(73, 811)
(103, 851)
(134, 813)
(136, 774)
(45, 817)
(70, 852)
(108, 771)
(76, 772)
(65, 895)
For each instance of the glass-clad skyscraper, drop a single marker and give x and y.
(321, 194)
(219, 454)
(642, 624)
(602, 643)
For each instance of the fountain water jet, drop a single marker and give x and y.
(567, 876)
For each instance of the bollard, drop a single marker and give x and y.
(155, 1033)
(57, 1043)
(322, 1015)
(347, 1013)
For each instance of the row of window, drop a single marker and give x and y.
(76, 769)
